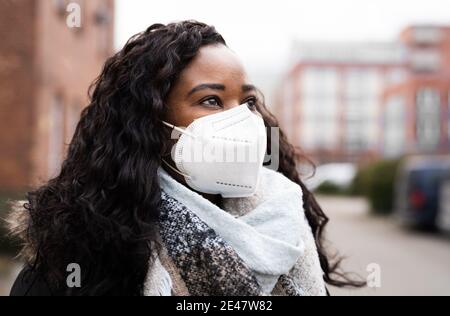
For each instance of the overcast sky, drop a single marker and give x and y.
(261, 31)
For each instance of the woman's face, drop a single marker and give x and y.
(214, 81)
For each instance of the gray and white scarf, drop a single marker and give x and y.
(247, 247)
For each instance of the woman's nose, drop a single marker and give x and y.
(231, 105)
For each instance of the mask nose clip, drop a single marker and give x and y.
(178, 129)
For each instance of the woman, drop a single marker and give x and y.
(137, 217)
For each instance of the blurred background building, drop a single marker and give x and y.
(45, 70)
(353, 102)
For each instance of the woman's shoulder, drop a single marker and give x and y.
(30, 282)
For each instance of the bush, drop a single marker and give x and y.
(359, 185)
(377, 182)
(330, 188)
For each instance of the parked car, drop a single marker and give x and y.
(443, 217)
(418, 190)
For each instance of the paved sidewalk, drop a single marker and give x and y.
(411, 263)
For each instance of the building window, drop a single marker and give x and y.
(102, 16)
(362, 83)
(103, 20)
(55, 135)
(356, 135)
(319, 82)
(319, 92)
(426, 35)
(362, 88)
(428, 124)
(61, 7)
(425, 60)
(394, 127)
(396, 76)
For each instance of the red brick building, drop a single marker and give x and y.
(361, 101)
(416, 110)
(45, 71)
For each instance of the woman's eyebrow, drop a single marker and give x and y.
(218, 86)
(214, 86)
(248, 87)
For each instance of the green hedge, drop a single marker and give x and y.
(330, 188)
(376, 181)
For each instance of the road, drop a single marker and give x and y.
(408, 262)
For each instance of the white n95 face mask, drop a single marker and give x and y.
(222, 153)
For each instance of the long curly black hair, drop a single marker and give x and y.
(101, 210)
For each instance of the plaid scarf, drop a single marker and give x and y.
(207, 263)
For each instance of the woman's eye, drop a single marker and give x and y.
(211, 102)
(251, 103)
